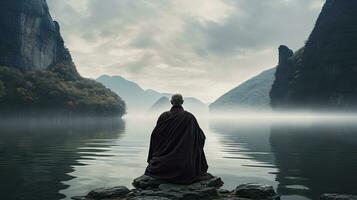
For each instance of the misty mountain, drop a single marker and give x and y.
(253, 93)
(139, 100)
(136, 98)
(190, 104)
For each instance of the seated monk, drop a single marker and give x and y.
(176, 147)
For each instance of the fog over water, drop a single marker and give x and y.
(301, 154)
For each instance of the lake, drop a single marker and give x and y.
(57, 160)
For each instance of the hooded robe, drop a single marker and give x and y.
(176, 148)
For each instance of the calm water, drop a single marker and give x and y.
(56, 161)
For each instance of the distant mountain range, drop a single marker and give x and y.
(192, 105)
(251, 94)
(139, 100)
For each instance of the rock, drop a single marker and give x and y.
(79, 198)
(144, 182)
(150, 198)
(148, 188)
(213, 182)
(337, 197)
(223, 191)
(284, 54)
(31, 39)
(104, 193)
(256, 191)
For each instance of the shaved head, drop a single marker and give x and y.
(177, 100)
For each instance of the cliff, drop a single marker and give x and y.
(253, 93)
(37, 72)
(29, 38)
(323, 74)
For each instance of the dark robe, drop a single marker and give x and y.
(176, 148)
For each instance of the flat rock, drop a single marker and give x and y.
(256, 191)
(144, 182)
(150, 198)
(337, 197)
(104, 193)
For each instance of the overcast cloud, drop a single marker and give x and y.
(201, 48)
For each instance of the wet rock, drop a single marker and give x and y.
(337, 197)
(147, 188)
(79, 198)
(256, 191)
(150, 198)
(104, 193)
(144, 182)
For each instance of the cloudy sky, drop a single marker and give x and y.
(200, 48)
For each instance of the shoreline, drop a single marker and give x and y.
(148, 188)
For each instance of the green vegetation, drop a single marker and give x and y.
(59, 89)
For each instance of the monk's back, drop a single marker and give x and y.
(176, 148)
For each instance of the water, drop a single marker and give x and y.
(57, 161)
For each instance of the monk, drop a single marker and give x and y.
(176, 147)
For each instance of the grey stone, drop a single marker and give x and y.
(214, 182)
(337, 197)
(103, 193)
(256, 191)
(223, 191)
(144, 182)
(79, 198)
(150, 198)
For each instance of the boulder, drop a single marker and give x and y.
(256, 191)
(105, 193)
(144, 182)
(337, 197)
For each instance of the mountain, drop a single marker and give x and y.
(143, 101)
(323, 73)
(161, 105)
(37, 73)
(137, 99)
(253, 93)
(192, 105)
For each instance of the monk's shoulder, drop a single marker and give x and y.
(165, 115)
(190, 115)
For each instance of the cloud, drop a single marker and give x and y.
(198, 47)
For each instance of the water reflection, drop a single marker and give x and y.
(60, 159)
(306, 159)
(37, 157)
(313, 159)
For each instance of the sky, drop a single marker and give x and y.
(200, 48)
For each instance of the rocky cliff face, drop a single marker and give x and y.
(37, 75)
(323, 74)
(29, 38)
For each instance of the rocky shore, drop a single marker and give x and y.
(147, 188)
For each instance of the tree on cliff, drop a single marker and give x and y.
(37, 69)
